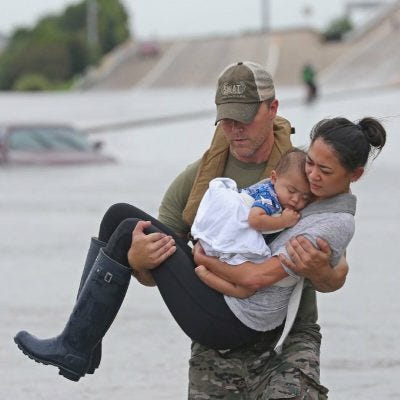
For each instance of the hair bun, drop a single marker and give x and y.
(374, 132)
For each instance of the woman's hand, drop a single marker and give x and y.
(312, 263)
(149, 251)
(305, 258)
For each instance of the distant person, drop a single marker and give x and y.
(309, 80)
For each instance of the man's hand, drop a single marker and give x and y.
(308, 261)
(149, 251)
(197, 252)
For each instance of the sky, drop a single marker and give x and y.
(175, 18)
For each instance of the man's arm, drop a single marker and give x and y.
(175, 199)
(221, 285)
(170, 214)
(308, 261)
(249, 275)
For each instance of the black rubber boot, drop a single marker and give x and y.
(94, 248)
(98, 303)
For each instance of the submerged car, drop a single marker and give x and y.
(48, 144)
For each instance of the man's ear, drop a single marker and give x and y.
(273, 176)
(273, 108)
(356, 174)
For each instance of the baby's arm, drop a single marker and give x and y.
(261, 221)
(221, 285)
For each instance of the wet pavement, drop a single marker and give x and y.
(48, 215)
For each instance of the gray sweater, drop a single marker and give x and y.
(332, 220)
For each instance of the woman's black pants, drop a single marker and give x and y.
(200, 311)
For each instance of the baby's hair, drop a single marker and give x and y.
(294, 158)
(353, 143)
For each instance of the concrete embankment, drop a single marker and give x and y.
(197, 62)
(369, 57)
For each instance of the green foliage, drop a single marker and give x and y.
(74, 18)
(57, 50)
(113, 25)
(337, 29)
(31, 82)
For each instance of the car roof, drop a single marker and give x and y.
(5, 127)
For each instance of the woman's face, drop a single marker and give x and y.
(326, 174)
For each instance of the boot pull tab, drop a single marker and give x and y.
(107, 276)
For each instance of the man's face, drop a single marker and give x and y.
(252, 142)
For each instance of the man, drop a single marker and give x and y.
(248, 143)
(308, 76)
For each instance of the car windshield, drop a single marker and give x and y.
(47, 138)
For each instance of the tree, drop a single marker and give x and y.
(337, 29)
(57, 48)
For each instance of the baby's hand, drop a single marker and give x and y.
(290, 217)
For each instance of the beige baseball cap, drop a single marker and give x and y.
(242, 87)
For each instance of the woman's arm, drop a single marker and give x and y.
(250, 275)
(313, 264)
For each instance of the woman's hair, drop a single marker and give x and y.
(353, 142)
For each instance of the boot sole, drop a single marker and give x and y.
(66, 373)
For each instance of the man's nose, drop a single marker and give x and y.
(237, 126)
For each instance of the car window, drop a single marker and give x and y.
(47, 138)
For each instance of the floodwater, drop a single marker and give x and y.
(48, 215)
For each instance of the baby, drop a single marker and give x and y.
(229, 222)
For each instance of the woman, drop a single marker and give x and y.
(338, 153)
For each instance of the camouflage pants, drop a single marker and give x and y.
(254, 372)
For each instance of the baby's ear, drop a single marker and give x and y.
(273, 176)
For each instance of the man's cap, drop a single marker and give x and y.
(242, 87)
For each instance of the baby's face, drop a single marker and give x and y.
(292, 189)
